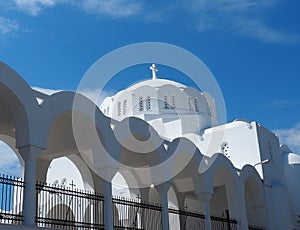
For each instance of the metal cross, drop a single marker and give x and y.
(72, 184)
(154, 70)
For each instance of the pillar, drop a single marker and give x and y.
(243, 219)
(181, 203)
(30, 155)
(163, 193)
(108, 206)
(205, 201)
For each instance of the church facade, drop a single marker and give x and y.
(164, 139)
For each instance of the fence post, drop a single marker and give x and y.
(228, 219)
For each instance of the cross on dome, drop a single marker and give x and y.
(154, 70)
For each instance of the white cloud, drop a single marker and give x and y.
(244, 17)
(281, 104)
(34, 7)
(116, 8)
(9, 163)
(257, 29)
(290, 137)
(7, 26)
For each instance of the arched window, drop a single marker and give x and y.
(124, 106)
(141, 106)
(173, 102)
(196, 104)
(190, 103)
(166, 106)
(208, 108)
(148, 103)
(107, 110)
(119, 108)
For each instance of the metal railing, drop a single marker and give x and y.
(186, 219)
(221, 223)
(11, 199)
(68, 208)
(63, 207)
(136, 215)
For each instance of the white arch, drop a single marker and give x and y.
(252, 189)
(75, 166)
(21, 103)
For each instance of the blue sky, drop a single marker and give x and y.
(251, 46)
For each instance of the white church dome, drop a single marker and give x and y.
(173, 109)
(156, 83)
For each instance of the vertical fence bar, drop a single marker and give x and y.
(137, 215)
(10, 199)
(228, 219)
(67, 208)
(191, 220)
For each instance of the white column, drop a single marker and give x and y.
(181, 203)
(163, 193)
(165, 210)
(30, 155)
(108, 206)
(243, 219)
(205, 202)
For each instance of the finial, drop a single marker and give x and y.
(154, 70)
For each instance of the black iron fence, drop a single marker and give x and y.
(11, 199)
(136, 215)
(68, 208)
(221, 223)
(63, 207)
(187, 220)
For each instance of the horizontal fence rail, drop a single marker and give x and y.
(62, 207)
(136, 215)
(186, 219)
(11, 199)
(251, 227)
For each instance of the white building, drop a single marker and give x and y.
(164, 139)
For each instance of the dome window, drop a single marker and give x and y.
(141, 104)
(148, 103)
(208, 108)
(190, 103)
(173, 101)
(125, 107)
(166, 106)
(196, 104)
(119, 108)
